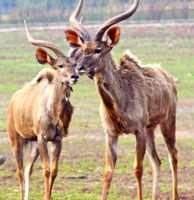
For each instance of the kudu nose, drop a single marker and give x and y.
(74, 78)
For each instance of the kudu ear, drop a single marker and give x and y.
(43, 57)
(113, 34)
(74, 39)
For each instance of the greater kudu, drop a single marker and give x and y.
(134, 99)
(41, 112)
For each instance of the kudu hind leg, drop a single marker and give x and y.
(111, 157)
(154, 159)
(28, 170)
(17, 147)
(168, 130)
(139, 156)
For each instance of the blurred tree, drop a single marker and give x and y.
(48, 5)
(124, 1)
(0, 10)
(59, 10)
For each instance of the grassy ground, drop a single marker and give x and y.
(81, 166)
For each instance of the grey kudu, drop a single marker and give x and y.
(134, 99)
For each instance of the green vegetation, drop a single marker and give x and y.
(81, 166)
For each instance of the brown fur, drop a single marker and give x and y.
(23, 101)
(41, 111)
(110, 109)
(156, 92)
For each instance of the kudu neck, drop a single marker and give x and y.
(58, 92)
(107, 68)
(109, 78)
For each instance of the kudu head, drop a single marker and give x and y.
(95, 49)
(64, 65)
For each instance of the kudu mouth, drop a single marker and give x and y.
(71, 80)
(81, 70)
(90, 72)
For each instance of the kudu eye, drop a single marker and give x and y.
(60, 66)
(98, 50)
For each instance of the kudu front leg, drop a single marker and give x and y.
(111, 158)
(28, 170)
(42, 147)
(55, 153)
(138, 164)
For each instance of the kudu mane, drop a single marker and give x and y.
(47, 74)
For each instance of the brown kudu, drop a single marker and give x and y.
(41, 112)
(134, 99)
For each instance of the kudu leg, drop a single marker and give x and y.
(168, 130)
(17, 146)
(155, 161)
(55, 153)
(42, 147)
(138, 164)
(111, 158)
(28, 170)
